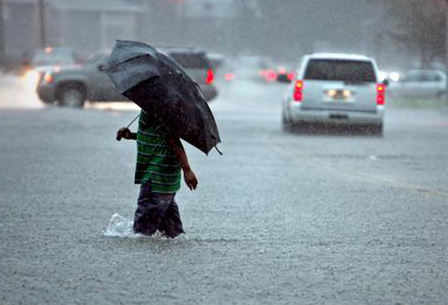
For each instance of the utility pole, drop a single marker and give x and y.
(42, 27)
(446, 48)
(2, 35)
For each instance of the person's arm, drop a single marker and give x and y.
(125, 133)
(179, 151)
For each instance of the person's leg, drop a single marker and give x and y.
(171, 224)
(150, 210)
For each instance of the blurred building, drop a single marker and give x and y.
(208, 24)
(282, 30)
(84, 25)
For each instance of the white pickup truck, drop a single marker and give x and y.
(335, 89)
(72, 86)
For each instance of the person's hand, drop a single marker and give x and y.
(125, 133)
(190, 179)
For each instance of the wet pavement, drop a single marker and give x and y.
(280, 218)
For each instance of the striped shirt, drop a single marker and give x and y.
(156, 160)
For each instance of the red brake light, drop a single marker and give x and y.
(229, 76)
(210, 77)
(298, 87)
(380, 94)
(270, 76)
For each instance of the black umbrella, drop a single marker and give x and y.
(161, 87)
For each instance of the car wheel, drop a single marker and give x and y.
(441, 95)
(71, 97)
(303, 127)
(377, 130)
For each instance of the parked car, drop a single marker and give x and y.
(420, 84)
(72, 86)
(335, 89)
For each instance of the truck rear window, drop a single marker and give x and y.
(340, 70)
(191, 60)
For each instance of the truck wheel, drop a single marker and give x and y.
(71, 97)
(47, 101)
(286, 124)
(377, 130)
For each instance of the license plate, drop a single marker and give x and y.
(339, 94)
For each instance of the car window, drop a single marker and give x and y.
(53, 58)
(430, 77)
(412, 77)
(340, 70)
(437, 78)
(190, 60)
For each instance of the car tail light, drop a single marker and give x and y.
(210, 77)
(270, 76)
(298, 88)
(291, 76)
(380, 94)
(229, 76)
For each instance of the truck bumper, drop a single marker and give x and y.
(299, 115)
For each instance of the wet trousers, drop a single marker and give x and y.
(157, 211)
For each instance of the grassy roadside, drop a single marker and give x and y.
(430, 103)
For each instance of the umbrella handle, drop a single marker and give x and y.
(129, 125)
(216, 147)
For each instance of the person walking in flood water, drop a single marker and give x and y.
(160, 159)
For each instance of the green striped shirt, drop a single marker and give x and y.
(156, 160)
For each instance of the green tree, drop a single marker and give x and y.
(419, 27)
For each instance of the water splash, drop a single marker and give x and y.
(120, 227)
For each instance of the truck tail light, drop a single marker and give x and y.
(298, 88)
(210, 77)
(48, 78)
(380, 94)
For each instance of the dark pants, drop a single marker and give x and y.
(157, 211)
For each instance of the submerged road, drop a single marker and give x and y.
(280, 218)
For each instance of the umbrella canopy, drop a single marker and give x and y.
(161, 87)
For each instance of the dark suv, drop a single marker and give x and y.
(72, 86)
